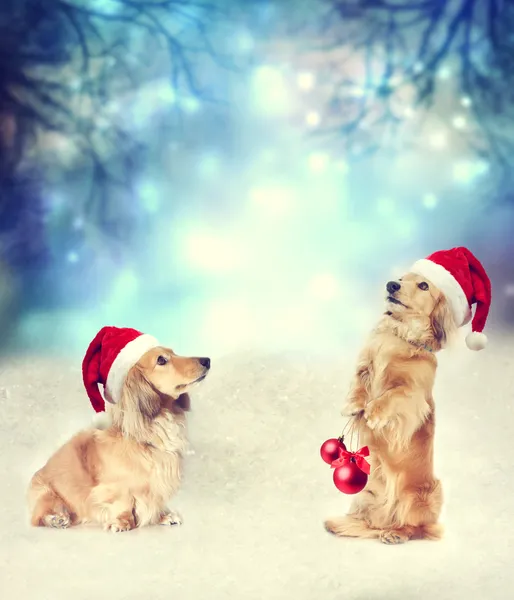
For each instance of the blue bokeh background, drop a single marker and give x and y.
(247, 229)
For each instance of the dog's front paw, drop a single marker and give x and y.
(171, 517)
(125, 522)
(352, 409)
(378, 414)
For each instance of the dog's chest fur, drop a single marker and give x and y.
(150, 466)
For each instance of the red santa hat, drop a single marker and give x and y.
(464, 282)
(109, 358)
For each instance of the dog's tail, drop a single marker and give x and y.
(349, 526)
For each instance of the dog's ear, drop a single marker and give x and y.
(139, 395)
(442, 322)
(184, 402)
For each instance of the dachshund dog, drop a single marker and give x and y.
(123, 476)
(391, 402)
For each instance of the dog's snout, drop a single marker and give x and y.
(205, 362)
(393, 286)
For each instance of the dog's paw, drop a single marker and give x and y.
(124, 522)
(378, 414)
(393, 537)
(352, 409)
(331, 525)
(60, 520)
(171, 517)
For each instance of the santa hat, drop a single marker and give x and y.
(109, 358)
(464, 282)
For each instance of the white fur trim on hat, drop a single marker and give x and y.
(450, 287)
(126, 359)
(476, 340)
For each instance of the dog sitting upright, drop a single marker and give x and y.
(122, 476)
(391, 395)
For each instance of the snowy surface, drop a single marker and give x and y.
(256, 492)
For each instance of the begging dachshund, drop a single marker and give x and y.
(122, 476)
(391, 396)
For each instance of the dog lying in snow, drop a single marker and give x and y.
(122, 476)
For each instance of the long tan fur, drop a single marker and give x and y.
(391, 401)
(123, 476)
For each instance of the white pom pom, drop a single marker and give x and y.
(101, 421)
(476, 340)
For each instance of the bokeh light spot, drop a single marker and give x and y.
(430, 201)
(318, 162)
(271, 96)
(313, 118)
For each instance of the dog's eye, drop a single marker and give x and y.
(423, 285)
(161, 360)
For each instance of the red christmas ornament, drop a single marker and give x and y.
(351, 471)
(349, 479)
(331, 449)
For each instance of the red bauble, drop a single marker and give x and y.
(349, 479)
(330, 449)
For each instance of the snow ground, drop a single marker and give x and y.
(256, 492)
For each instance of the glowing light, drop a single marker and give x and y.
(165, 93)
(305, 81)
(395, 80)
(72, 257)
(430, 201)
(418, 67)
(385, 207)
(274, 200)
(467, 171)
(409, 112)
(271, 95)
(459, 122)
(509, 290)
(466, 101)
(318, 162)
(150, 196)
(75, 84)
(107, 7)
(208, 252)
(438, 140)
(357, 92)
(313, 118)
(444, 72)
(324, 286)
(190, 104)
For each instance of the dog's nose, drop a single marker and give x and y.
(393, 286)
(205, 362)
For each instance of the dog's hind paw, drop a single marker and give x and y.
(171, 517)
(60, 520)
(393, 537)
